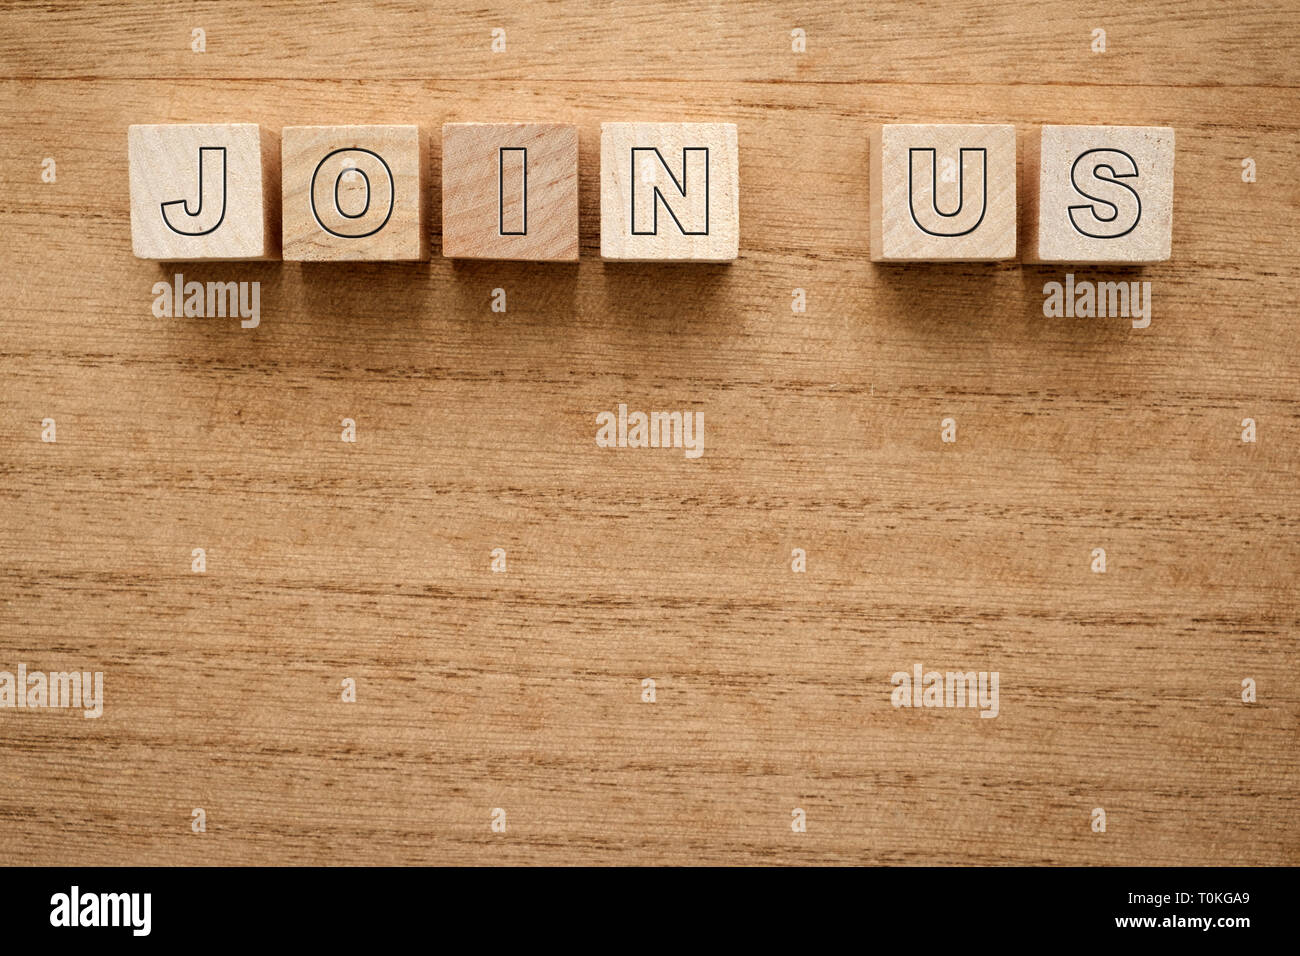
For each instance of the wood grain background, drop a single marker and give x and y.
(522, 690)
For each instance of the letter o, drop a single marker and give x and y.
(378, 179)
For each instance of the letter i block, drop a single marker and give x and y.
(353, 192)
(202, 191)
(943, 193)
(1099, 194)
(669, 191)
(510, 191)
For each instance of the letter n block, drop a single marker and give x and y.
(202, 191)
(1099, 194)
(943, 192)
(669, 191)
(510, 191)
(353, 192)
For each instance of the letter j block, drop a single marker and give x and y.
(669, 191)
(202, 191)
(943, 192)
(1100, 194)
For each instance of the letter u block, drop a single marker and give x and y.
(202, 191)
(669, 191)
(353, 193)
(1099, 194)
(943, 193)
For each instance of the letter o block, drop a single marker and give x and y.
(943, 193)
(200, 191)
(353, 193)
(669, 191)
(1099, 194)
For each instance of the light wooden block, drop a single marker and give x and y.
(1099, 194)
(669, 191)
(510, 191)
(353, 193)
(943, 192)
(202, 191)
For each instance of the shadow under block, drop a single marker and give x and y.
(669, 191)
(510, 191)
(202, 191)
(1101, 194)
(353, 193)
(943, 192)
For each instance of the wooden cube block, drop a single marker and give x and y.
(353, 192)
(202, 191)
(943, 192)
(1099, 194)
(510, 191)
(669, 191)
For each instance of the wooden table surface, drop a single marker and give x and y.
(522, 690)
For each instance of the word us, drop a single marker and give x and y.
(668, 191)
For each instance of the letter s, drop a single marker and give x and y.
(1101, 171)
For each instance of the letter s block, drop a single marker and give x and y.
(353, 193)
(1099, 194)
(669, 191)
(202, 191)
(943, 192)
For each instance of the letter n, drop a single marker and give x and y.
(688, 207)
